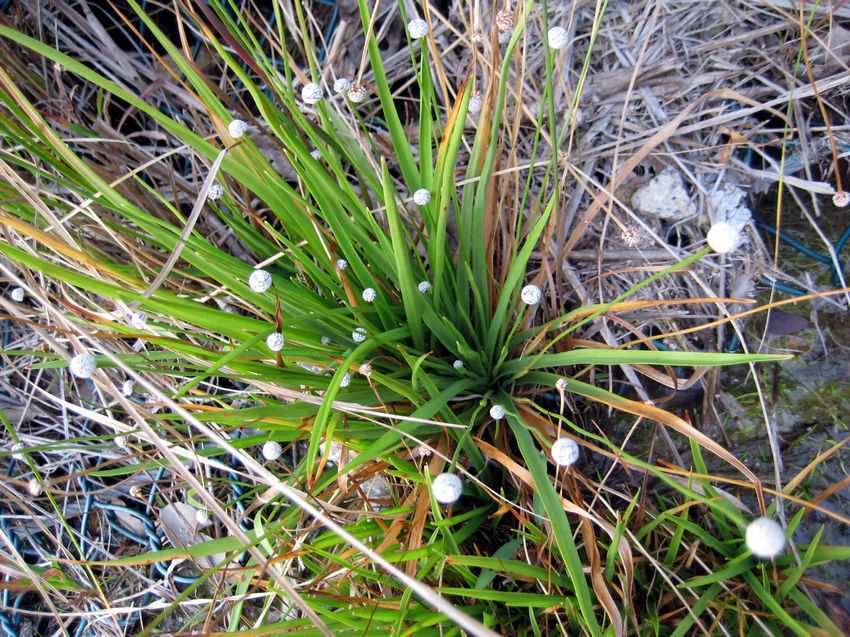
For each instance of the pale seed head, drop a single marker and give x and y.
(557, 38)
(274, 341)
(765, 538)
(421, 197)
(531, 295)
(260, 281)
(417, 29)
(82, 365)
(237, 128)
(447, 488)
(311, 93)
(565, 452)
(272, 450)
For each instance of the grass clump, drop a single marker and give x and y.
(345, 301)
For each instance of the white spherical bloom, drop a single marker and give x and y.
(557, 37)
(202, 517)
(365, 370)
(311, 93)
(497, 412)
(417, 29)
(274, 341)
(841, 199)
(18, 295)
(358, 93)
(475, 103)
(561, 384)
(765, 538)
(127, 387)
(237, 128)
(341, 264)
(424, 287)
(260, 281)
(504, 20)
(325, 340)
(531, 295)
(138, 320)
(82, 365)
(359, 335)
(342, 85)
(272, 450)
(17, 451)
(421, 197)
(369, 295)
(215, 192)
(723, 237)
(34, 487)
(447, 488)
(345, 381)
(458, 364)
(565, 452)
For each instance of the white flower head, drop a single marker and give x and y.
(18, 295)
(417, 29)
(497, 412)
(424, 287)
(369, 295)
(841, 199)
(341, 264)
(260, 281)
(237, 128)
(272, 450)
(729, 214)
(34, 487)
(82, 365)
(274, 341)
(447, 488)
(457, 364)
(342, 85)
(311, 93)
(202, 517)
(561, 384)
(557, 38)
(765, 538)
(358, 93)
(531, 295)
(359, 335)
(138, 320)
(17, 451)
(127, 387)
(724, 238)
(365, 370)
(565, 452)
(421, 197)
(325, 340)
(215, 192)
(345, 381)
(504, 20)
(475, 103)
